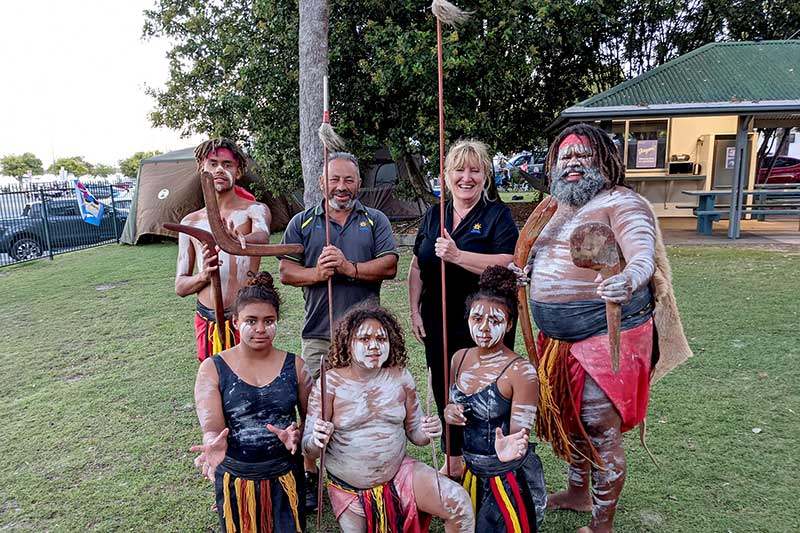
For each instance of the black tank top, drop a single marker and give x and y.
(485, 411)
(249, 409)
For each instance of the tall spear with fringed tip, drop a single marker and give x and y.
(331, 142)
(445, 13)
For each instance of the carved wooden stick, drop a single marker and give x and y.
(593, 245)
(536, 222)
(434, 460)
(216, 283)
(223, 238)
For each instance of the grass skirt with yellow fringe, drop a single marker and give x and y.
(560, 385)
(261, 497)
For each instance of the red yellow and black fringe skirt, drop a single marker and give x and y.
(506, 497)
(211, 341)
(266, 497)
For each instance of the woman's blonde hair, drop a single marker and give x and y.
(467, 151)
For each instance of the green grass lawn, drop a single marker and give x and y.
(98, 366)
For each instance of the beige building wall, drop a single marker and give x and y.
(695, 137)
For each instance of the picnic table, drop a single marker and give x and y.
(763, 203)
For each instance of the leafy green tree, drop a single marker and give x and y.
(509, 70)
(74, 165)
(19, 165)
(103, 170)
(130, 167)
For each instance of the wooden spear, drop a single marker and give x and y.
(445, 13)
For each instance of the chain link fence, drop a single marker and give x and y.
(42, 220)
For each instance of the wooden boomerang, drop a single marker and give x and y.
(593, 245)
(216, 283)
(536, 222)
(228, 243)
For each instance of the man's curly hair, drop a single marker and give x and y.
(211, 145)
(339, 355)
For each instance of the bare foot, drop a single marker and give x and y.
(585, 529)
(571, 500)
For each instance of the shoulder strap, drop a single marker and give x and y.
(500, 375)
(461, 362)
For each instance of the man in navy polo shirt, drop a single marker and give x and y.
(362, 254)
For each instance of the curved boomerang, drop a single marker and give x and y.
(228, 243)
(536, 222)
(216, 282)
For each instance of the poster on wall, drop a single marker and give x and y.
(730, 156)
(646, 154)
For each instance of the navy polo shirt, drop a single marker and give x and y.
(489, 228)
(365, 236)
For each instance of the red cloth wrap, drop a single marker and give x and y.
(629, 389)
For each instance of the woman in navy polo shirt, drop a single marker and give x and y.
(480, 232)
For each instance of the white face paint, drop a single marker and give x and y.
(371, 344)
(487, 324)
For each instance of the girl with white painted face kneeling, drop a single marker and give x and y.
(494, 394)
(248, 401)
(373, 411)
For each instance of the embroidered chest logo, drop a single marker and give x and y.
(476, 229)
(363, 226)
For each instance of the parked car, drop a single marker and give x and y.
(786, 170)
(526, 161)
(24, 237)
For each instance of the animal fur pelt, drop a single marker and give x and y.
(448, 13)
(672, 344)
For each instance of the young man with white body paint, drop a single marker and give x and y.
(248, 221)
(584, 405)
(493, 396)
(371, 401)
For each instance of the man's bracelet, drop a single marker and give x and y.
(355, 265)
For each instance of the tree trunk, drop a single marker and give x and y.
(313, 44)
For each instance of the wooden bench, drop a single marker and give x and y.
(764, 201)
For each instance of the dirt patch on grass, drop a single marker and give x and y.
(112, 285)
(73, 378)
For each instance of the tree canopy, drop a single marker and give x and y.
(19, 165)
(130, 167)
(74, 165)
(509, 70)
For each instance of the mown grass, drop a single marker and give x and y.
(97, 370)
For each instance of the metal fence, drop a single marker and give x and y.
(43, 220)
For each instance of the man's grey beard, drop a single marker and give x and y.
(337, 205)
(578, 193)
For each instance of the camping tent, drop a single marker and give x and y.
(168, 189)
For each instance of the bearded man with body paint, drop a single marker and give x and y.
(584, 407)
(372, 403)
(246, 220)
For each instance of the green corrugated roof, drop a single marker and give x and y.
(716, 72)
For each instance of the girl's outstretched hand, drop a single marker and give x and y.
(511, 447)
(211, 454)
(290, 437)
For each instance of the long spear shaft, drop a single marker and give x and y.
(445, 352)
(326, 119)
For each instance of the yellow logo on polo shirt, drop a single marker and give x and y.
(363, 224)
(476, 228)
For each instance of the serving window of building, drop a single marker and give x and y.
(647, 144)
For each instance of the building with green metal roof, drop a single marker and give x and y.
(690, 124)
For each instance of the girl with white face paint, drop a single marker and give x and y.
(494, 396)
(374, 410)
(251, 402)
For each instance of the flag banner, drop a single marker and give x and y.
(91, 209)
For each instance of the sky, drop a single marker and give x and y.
(74, 77)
